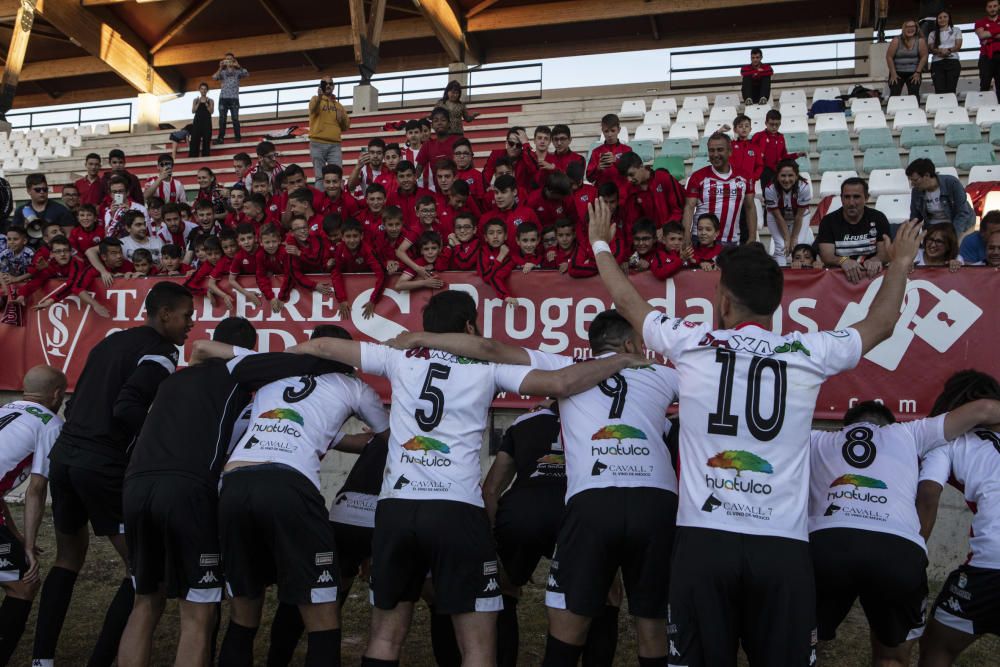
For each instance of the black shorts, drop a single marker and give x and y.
(969, 601)
(888, 573)
(80, 495)
(608, 529)
(274, 528)
(354, 547)
(730, 588)
(171, 529)
(13, 562)
(527, 525)
(448, 538)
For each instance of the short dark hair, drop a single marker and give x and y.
(711, 217)
(116, 153)
(106, 244)
(495, 222)
(164, 158)
(269, 230)
(543, 129)
(804, 247)
(672, 228)
(405, 165)
(165, 296)
(449, 312)
(527, 228)
(375, 188)
(292, 170)
(92, 156)
(87, 207)
(131, 216)
(394, 146)
(236, 331)
(645, 225)
(351, 225)
(440, 111)
(752, 277)
(154, 202)
(773, 114)
(443, 164)
(411, 125)
(265, 147)
(332, 222)
(460, 187)
(964, 387)
(558, 184)
(393, 212)
(302, 195)
(719, 136)
(142, 255)
(741, 118)
(461, 142)
(18, 229)
(243, 158)
(921, 167)
(575, 170)
(31, 180)
(212, 243)
(505, 182)
(427, 200)
(610, 120)
(330, 331)
(245, 228)
(204, 205)
(333, 169)
(628, 161)
(609, 330)
(171, 250)
(376, 142)
(854, 180)
(872, 412)
(429, 237)
(755, 51)
(608, 189)
(559, 128)
(58, 240)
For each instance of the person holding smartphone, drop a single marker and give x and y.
(229, 74)
(164, 185)
(203, 107)
(328, 120)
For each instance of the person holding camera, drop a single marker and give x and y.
(203, 108)
(164, 185)
(327, 121)
(229, 74)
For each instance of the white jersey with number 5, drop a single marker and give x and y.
(865, 476)
(440, 404)
(746, 408)
(295, 420)
(612, 434)
(972, 463)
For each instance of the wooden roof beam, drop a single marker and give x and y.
(181, 22)
(449, 30)
(15, 55)
(278, 18)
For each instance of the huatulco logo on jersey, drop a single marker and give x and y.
(860, 483)
(619, 433)
(426, 446)
(284, 417)
(741, 461)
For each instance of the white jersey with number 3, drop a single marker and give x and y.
(440, 405)
(746, 408)
(865, 476)
(612, 434)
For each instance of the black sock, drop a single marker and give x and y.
(508, 637)
(443, 640)
(324, 649)
(13, 616)
(52, 606)
(286, 628)
(654, 662)
(115, 620)
(602, 639)
(237, 647)
(560, 654)
(375, 662)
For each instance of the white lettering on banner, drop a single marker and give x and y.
(553, 340)
(264, 340)
(586, 310)
(382, 328)
(118, 297)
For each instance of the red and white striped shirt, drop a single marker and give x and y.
(721, 194)
(171, 191)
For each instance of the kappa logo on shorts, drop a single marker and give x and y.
(673, 649)
(208, 560)
(324, 558)
(5, 549)
(4, 563)
(208, 578)
(489, 567)
(953, 604)
(324, 578)
(491, 586)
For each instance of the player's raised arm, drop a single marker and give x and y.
(982, 412)
(884, 311)
(627, 299)
(463, 345)
(578, 377)
(335, 349)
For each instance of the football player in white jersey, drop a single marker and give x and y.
(741, 570)
(863, 527)
(621, 498)
(430, 513)
(968, 605)
(28, 429)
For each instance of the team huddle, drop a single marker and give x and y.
(755, 533)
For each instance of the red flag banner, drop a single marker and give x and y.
(947, 321)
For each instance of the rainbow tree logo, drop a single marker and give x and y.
(858, 481)
(619, 432)
(421, 443)
(552, 459)
(283, 413)
(740, 461)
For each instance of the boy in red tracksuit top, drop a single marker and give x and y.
(560, 257)
(771, 144)
(584, 265)
(112, 257)
(495, 266)
(244, 262)
(465, 170)
(354, 255)
(307, 245)
(648, 255)
(464, 244)
(528, 256)
(428, 222)
(554, 200)
(273, 260)
(703, 256)
(335, 199)
(88, 233)
(608, 193)
(437, 148)
(508, 209)
(655, 195)
(392, 236)
(601, 168)
(62, 264)
(371, 217)
(432, 259)
(407, 193)
(198, 282)
(746, 159)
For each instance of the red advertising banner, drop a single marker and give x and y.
(949, 322)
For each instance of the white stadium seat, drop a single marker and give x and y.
(661, 118)
(908, 118)
(794, 124)
(74, 141)
(33, 134)
(895, 207)
(727, 100)
(29, 163)
(699, 102)
(695, 116)
(949, 116)
(684, 131)
(652, 133)
(64, 151)
(888, 182)
(901, 103)
(938, 101)
(632, 109)
(986, 116)
(977, 100)
(713, 126)
(44, 153)
(794, 109)
(50, 132)
(947, 171)
(104, 129)
(11, 164)
(667, 104)
(983, 172)
(830, 183)
(756, 111)
(868, 120)
(68, 132)
(86, 131)
(826, 93)
(830, 121)
(724, 113)
(792, 96)
(860, 104)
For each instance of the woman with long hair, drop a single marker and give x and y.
(451, 99)
(203, 108)
(906, 58)
(209, 190)
(940, 248)
(944, 43)
(787, 200)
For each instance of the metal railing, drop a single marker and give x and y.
(395, 91)
(71, 116)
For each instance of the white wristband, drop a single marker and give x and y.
(599, 247)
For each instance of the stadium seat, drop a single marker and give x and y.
(918, 135)
(982, 172)
(872, 137)
(727, 100)
(908, 118)
(651, 133)
(830, 121)
(694, 116)
(797, 142)
(830, 182)
(74, 141)
(962, 133)
(677, 147)
(632, 109)
(33, 134)
(713, 126)
(44, 153)
(756, 111)
(86, 130)
(950, 116)
(880, 158)
(794, 109)
(675, 165)
(939, 102)
(723, 113)
(16, 134)
(697, 102)
(623, 135)
(935, 154)
(835, 204)
(995, 134)
(977, 100)
(988, 115)
(901, 103)
(667, 104)
(836, 160)
(948, 171)
(684, 131)
(805, 165)
(68, 132)
(11, 164)
(703, 145)
(826, 93)
(866, 120)
(700, 162)
(972, 155)
(644, 148)
(756, 125)
(865, 104)
(63, 151)
(895, 207)
(29, 163)
(660, 117)
(794, 124)
(792, 96)
(833, 140)
(104, 129)
(50, 132)
(888, 182)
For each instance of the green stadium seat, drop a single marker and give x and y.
(675, 165)
(833, 140)
(880, 137)
(836, 160)
(702, 146)
(917, 135)
(995, 134)
(797, 142)
(933, 153)
(676, 148)
(972, 155)
(957, 134)
(700, 162)
(643, 149)
(880, 158)
(804, 164)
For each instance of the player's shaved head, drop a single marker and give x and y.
(609, 332)
(46, 385)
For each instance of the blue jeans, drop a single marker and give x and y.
(232, 105)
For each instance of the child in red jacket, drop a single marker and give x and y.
(464, 243)
(756, 79)
(703, 255)
(432, 258)
(494, 259)
(355, 255)
(649, 255)
(770, 142)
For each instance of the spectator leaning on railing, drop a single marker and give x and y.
(937, 198)
(852, 237)
(327, 121)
